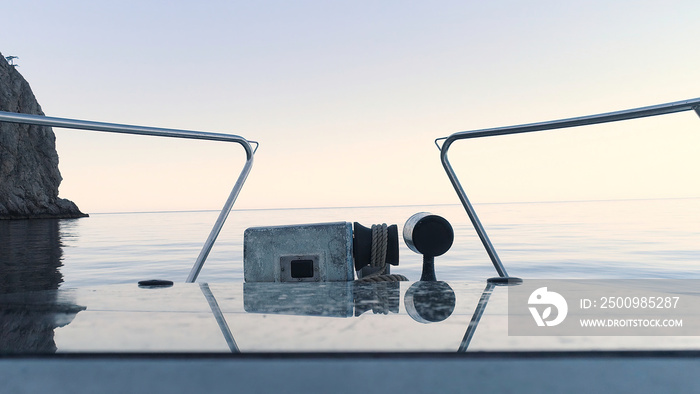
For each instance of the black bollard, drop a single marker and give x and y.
(428, 274)
(429, 235)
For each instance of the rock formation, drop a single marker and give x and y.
(29, 176)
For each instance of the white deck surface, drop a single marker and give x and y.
(128, 339)
(283, 318)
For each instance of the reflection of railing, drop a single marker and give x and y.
(220, 319)
(661, 109)
(12, 117)
(476, 317)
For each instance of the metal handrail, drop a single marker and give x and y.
(655, 110)
(12, 117)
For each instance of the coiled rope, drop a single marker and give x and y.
(380, 238)
(380, 241)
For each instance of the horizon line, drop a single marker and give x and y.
(397, 206)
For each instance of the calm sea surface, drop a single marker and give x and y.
(597, 239)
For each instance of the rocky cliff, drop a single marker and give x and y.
(29, 176)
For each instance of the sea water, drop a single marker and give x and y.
(589, 239)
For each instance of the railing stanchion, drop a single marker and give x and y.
(654, 110)
(41, 120)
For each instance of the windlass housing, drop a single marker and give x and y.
(319, 252)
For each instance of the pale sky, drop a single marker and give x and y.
(346, 98)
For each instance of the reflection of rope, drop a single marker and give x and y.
(380, 277)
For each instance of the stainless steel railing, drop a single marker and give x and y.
(655, 110)
(12, 117)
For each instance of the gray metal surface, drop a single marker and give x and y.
(654, 110)
(569, 372)
(12, 117)
(268, 251)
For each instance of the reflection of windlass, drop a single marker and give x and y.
(380, 297)
(30, 306)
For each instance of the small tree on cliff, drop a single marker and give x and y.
(11, 60)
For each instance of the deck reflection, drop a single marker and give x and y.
(309, 317)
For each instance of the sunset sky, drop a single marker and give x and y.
(346, 98)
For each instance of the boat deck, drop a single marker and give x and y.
(304, 317)
(347, 337)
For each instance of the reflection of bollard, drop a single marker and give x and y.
(430, 302)
(429, 235)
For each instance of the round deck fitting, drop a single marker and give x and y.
(505, 280)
